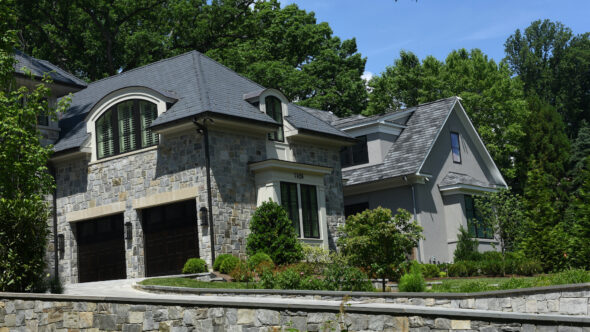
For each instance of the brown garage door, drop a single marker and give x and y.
(101, 249)
(170, 233)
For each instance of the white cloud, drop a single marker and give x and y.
(367, 76)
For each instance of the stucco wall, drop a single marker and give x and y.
(176, 164)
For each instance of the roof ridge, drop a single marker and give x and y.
(65, 72)
(144, 66)
(217, 63)
(198, 67)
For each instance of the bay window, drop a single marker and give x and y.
(125, 127)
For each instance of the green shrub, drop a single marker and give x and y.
(272, 232)
(573, 276)
(258, 258)
(313, 283)
(472, 268)
(194, 265)
(242, 272)
(267, 279)
(491, 255)
(346, 278)
(458, 269)
(219, 260)
(288, 279)
(515, 283)
(413, 281)
(430, 270)
(466, 247)
(492, 267)
(228, 264)
(528, 267)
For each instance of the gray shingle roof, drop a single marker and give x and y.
(39, 68)
(411, 147)
(453, 178)
(327, 117)
(199, 85)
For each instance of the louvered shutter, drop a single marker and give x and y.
(126, 126)
(148, 112)
(105, 139)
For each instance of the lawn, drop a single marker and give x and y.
(453, 285)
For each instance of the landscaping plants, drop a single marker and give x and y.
(219, 260)
(194, 265)
(229, 263)
(413, 281)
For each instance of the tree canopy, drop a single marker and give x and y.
(283, 48)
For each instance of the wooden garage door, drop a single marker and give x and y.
(101, 249)
(170, 234)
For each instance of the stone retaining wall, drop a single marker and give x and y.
(31, 312)
(560, 300)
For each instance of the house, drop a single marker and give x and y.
(428, 160)
(168, 161)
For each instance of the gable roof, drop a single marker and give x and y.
(454, 178)
(199, 85)
(39, 68)
(411, 148)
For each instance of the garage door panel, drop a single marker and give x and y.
(170, 233)
(101, 249)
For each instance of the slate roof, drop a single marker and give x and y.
(453, 178)
(199, 84)
(410, 148)
(39, 67)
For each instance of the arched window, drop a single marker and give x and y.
(275, 111)
(125, 127)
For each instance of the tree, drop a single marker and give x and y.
(272, 233)
(578, 217)
(554, 65)
(492, 98)
(378, 242)
(467, 246)
(24, 178)
(580, 150)
(503, 212)
(283, 48)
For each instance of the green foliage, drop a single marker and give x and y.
(430, 270)
(272, 232)
(346, 278)
(572, 276)
(528, 267)
(413, 281)
(492, 267)
(219, 260)
(229, 264)
(194, 265)
(257, 259)
(284, 48)
(24, 176)
(466, 246)
(493, 99)
(376, 241)
(504, 213)
(578, 221)
(242, 272)
(471, 286)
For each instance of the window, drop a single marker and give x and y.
(125, 127)
(301, 203)
(474, 222)
(353, 209)
(275, 111)
(455, 147)
(355, 155)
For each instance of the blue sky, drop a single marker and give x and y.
(436, 27)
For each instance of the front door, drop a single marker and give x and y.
(170, 233)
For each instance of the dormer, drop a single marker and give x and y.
(375, 136)
(274, 104)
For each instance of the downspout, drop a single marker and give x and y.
(202, 129)
(416, 220)
(53, 173)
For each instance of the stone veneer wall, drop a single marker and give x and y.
(20, 312)
(559, 300)
(178, 163)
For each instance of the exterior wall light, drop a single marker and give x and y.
(203, 216)
(61, 245)
(128, 231)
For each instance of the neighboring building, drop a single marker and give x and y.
(428, 160)
(130, 161)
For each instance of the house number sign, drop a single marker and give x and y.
(298, 175)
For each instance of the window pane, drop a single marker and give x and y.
(290, 203)
(104, 138)
(360, 153)
(274, 110)
(309, 209)
(126, 126)
(148, 112)
(471, 225)
(455, 147)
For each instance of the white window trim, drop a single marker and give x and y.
(114, 98)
